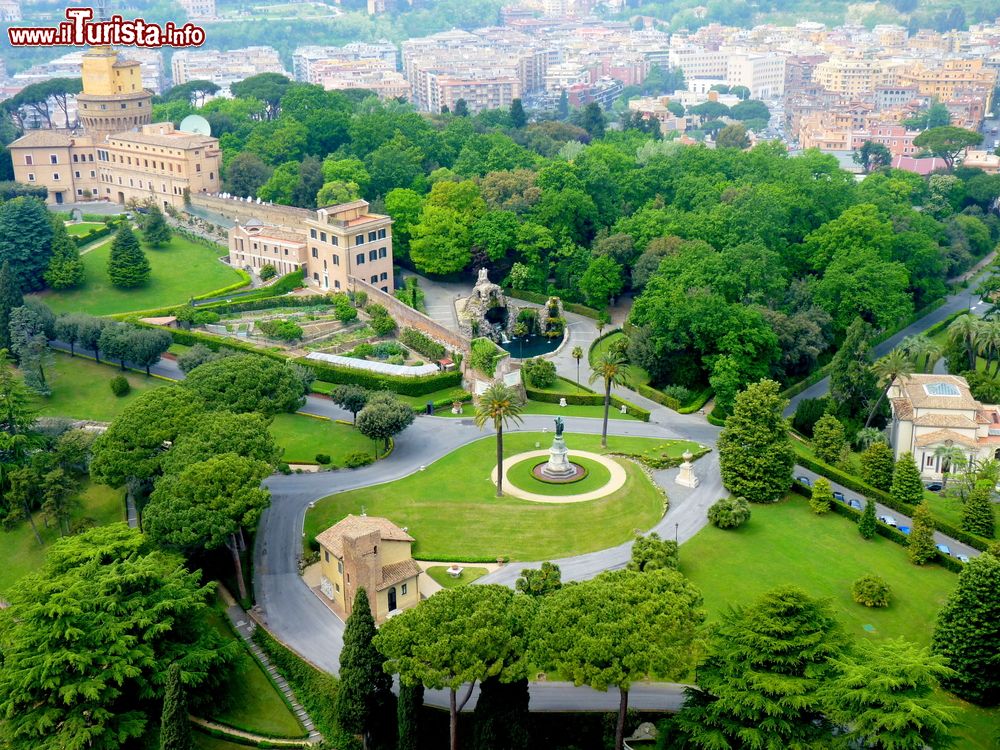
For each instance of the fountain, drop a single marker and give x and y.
(558, 468)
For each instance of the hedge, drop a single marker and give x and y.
(584, 399)
(658, 396)
(541, 299)
(224, 307)
(94, 235)
(422, 343)
(418, 386)
(239, 739)
(244, 280)
(590, 350)
(699, 402)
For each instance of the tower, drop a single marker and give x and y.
(113, 99)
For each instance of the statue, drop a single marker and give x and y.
(484, 276)
(560, 425)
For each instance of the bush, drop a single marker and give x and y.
(679, 392)
(120, 386)
(284, 468)
(283, 330)
(267, 271)
(485, 355)
(357, 459)
(541, 373)
(584, 399)
(323, 458)
(381, 322)
(205, 317)
(729, 513)
(808, 413)
(871, 591)
(373, 381)
(422, 343)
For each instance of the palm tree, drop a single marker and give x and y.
(951, 457)
(893, 365)
(613, 368)
(867, 436)
(965, 330)
(988, 340)
(921, 349)
(577, 355)
(500, 405)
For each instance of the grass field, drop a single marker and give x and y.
(78, 230)
(303, 436)
(520, 475)
(19, 550)
(81, 389)
(180, 270)
(440, 575)
(456, 493)
(207, 742)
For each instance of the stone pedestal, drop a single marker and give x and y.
(558, 466)
(686, 476)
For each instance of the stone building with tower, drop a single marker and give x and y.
(116, 153)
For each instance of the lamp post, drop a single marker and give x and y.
(676, 527)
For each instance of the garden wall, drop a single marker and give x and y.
(406, 316)
(241, 211)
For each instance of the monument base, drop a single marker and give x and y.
(558, 465)
(686, 476)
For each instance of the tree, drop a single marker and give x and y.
(30, 326)
(907, 487)
(729, 512)
(877, 465)
(541, 582)
(127, 263)
(613, 369)
(384, 417)
(829, 441)
(461, 108)
(968, 629)
(652, 553)
(175, 727)
(500, 405)
(65, 665)
(947, 142)
(872, 156)
(921, 547)
(114, 342)
(617, 628)
(601, 281)
(10, 300)
(852, 382)
(501, 718)
(364, 685)
(977, 511)
(458, 637)
(964, 331)
(246, 383)
(146, 346)
(89, 329)
(350, 397)
(440, 241)
(517, 117)
(867, 525)
(210, 433)
(759, 684)
(591, 118)
(207, 505)
(156, 232)
(246, 174)
(882, 696)
(65, 269)
(577, 354)
(895, 364)
(26, 241)
(755, 452)
(952, 460)
(822, 496)
(733, 136)
(411, 700)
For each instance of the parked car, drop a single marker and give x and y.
(888, 520)
(804, 480)
(855, 503)
(944, 549)
(839, 496)
(904, 529)
(934, 486)
(962, 558)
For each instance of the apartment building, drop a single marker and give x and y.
(894, 137)
(198, 8)
(952, 78)
(224, 68)
(10, 11)
(763, 74)
(852, 76)
(309, 63)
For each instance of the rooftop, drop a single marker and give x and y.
(354, 526)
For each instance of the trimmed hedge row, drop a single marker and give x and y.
(584, 399)
(541, 299)
(93, 235)
(244, 280)
(417, 386)
(658, 396)
(421, 343)
(590, 350)
(699, 402)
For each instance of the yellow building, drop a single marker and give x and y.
(371, 553)
(951, 79)
(848, 75)
(113, 98)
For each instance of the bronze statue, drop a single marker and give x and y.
(559, 426)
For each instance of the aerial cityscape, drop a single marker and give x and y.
(500, 375)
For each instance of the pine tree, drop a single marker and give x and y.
(852, 382)
(10, 300)
(921, 548)
(977, 512)
(867, 525)
(822, 496)
(127, 264)
(877, 464)
(65, 269)
(363, 683)
(501, 716)
(156, 233)
(411, 699)
(517, 117)
(563, 105)
(828, 438)
(175, 729)
(907, 487)
(968, 631)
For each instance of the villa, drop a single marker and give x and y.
(938, 410)
(372, 553)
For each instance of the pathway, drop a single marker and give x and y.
(440, 297)
(258, 740)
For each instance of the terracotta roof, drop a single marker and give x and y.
(47, 138)
(398, 572)
(354, 526)
(941, 436)
(945, 420)
(177, 139)
(985, 416)
(902, 408)
(915, 388)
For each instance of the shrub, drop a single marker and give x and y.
(358, 459)
(729, 513)
(323, 458)
(268, 271)
(822, 496)
(205, 317)
(381, 322)
(361, 351)
(808, 413)
(871, 591)
(679, 392)
(283, 330)
(422, 343)
(284, 468)
(485, 356)
(120, 386)
(343, 308)
(541, 373)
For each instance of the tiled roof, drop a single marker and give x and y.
(47, 139)
(945, 420)
(398, 572)
(354, 526)
(914, 388)
(176, 139)
(941, 436)
(902, 408)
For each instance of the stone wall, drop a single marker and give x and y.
(241, 211)
(407, 317)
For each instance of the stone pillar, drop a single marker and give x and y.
(686, 476)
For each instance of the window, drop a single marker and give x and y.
(403, 589)
(334, 240)
(383, 252)
(316, 277)
(359, 240)
(312, 233)
(53, 159)
(55, 176)
(372, 255)
(348, 577)
(384, 276)
(381, 234)
(75, 158)
(338, 586)
(27, 160)
(322, 236)
(326, 556)
(336, 260)
(315, 252)
(76, 175)
(360, 259)
(93, 173)
(374, 279)
(372, 236)
(324, 264)
(31, 176)
(336, 284)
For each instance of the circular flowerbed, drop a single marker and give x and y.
(521, 475)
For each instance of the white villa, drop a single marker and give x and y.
(933, 410)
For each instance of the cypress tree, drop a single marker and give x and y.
(127, 264)
(156, 233)
(411, 699)
(921, 540)
(501, 716)
(877, 465)
(175, 729)
(977, 513)
(867, 525)
(822, 496)
(65, 269)
(968, 631)
(907, 488)
(828, 439)
(517, 117)
(10, 299)
(363, 682)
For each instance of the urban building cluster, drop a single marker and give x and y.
(359, 65)
(224, 68)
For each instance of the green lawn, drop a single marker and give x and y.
(19, 551)
(419, 403)
(595, 412)
(180, 270)
(520, 476)
(303, 436)
(440, 575)
(204, 741)
(78, 230)
(81, 389)
(253, 703)
(950, 508)
(455, 493)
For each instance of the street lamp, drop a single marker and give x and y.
(676, 527)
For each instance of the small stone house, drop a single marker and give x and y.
(373, 553)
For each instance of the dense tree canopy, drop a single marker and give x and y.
(247, 383)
